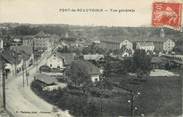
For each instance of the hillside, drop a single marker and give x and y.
(94, 33)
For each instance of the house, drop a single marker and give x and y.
(49, 83)
(16, 41)
(46, 80)
(168, 45)
(127, 44)
(42, 41)
(147, 46)
(28, 41)
(95, 57)
(90, 69)
(26, 53)
(110, 44)
(60, 60)
(67, 57)
(162, 44)
(12, 60)
(56, 61)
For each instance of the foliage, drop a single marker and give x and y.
(78, 74)
(93, 49)
(25, 30)
(141, 62)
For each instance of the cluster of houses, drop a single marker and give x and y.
(152, 44)
(22, 51)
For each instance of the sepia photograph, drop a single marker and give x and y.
(91, 58)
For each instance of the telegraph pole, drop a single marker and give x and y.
(3, 84)
(23, 73)
(132, 103)
(26, 74)
(3, 81)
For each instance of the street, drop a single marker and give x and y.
(22, 102)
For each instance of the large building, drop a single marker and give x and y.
(147, 46)
(162, 44)
(42, 41)
(28, 41)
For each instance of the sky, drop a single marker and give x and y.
(47, 12)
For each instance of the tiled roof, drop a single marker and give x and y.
(87, 66)
(146, 43)
(46, 79)
(25, 51)
(9, 56)
(158, 60)
(68, 57)
(27, 37)
(42, 34)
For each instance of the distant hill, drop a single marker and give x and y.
(101, 32)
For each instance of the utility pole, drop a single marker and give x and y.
(3, 81)
(26, 74)
(4, 87)
(23, 73)
(132, 103)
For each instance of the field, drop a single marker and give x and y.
(159, 97)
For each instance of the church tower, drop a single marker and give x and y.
(162, 33)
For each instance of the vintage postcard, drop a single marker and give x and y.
(91, 58)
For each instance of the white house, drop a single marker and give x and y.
(147, 46)
(127, 44)
(55, 61)
(168, 45)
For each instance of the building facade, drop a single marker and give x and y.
(42, 41)
(147, 46)
(127, 44)
(55, 61)
(168, 45)
(110, 45)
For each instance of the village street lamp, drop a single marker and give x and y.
(131, 101)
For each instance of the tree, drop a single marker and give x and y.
(78, 73)
(25, 30)
(141, 61)
(93, 49)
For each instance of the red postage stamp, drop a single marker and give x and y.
(167, 14)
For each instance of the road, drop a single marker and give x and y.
(22, 102)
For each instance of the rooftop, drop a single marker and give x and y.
(89, 68)
(10, 57)
(47, 79)
(146, 43)
(68, 57)
(42, 34)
